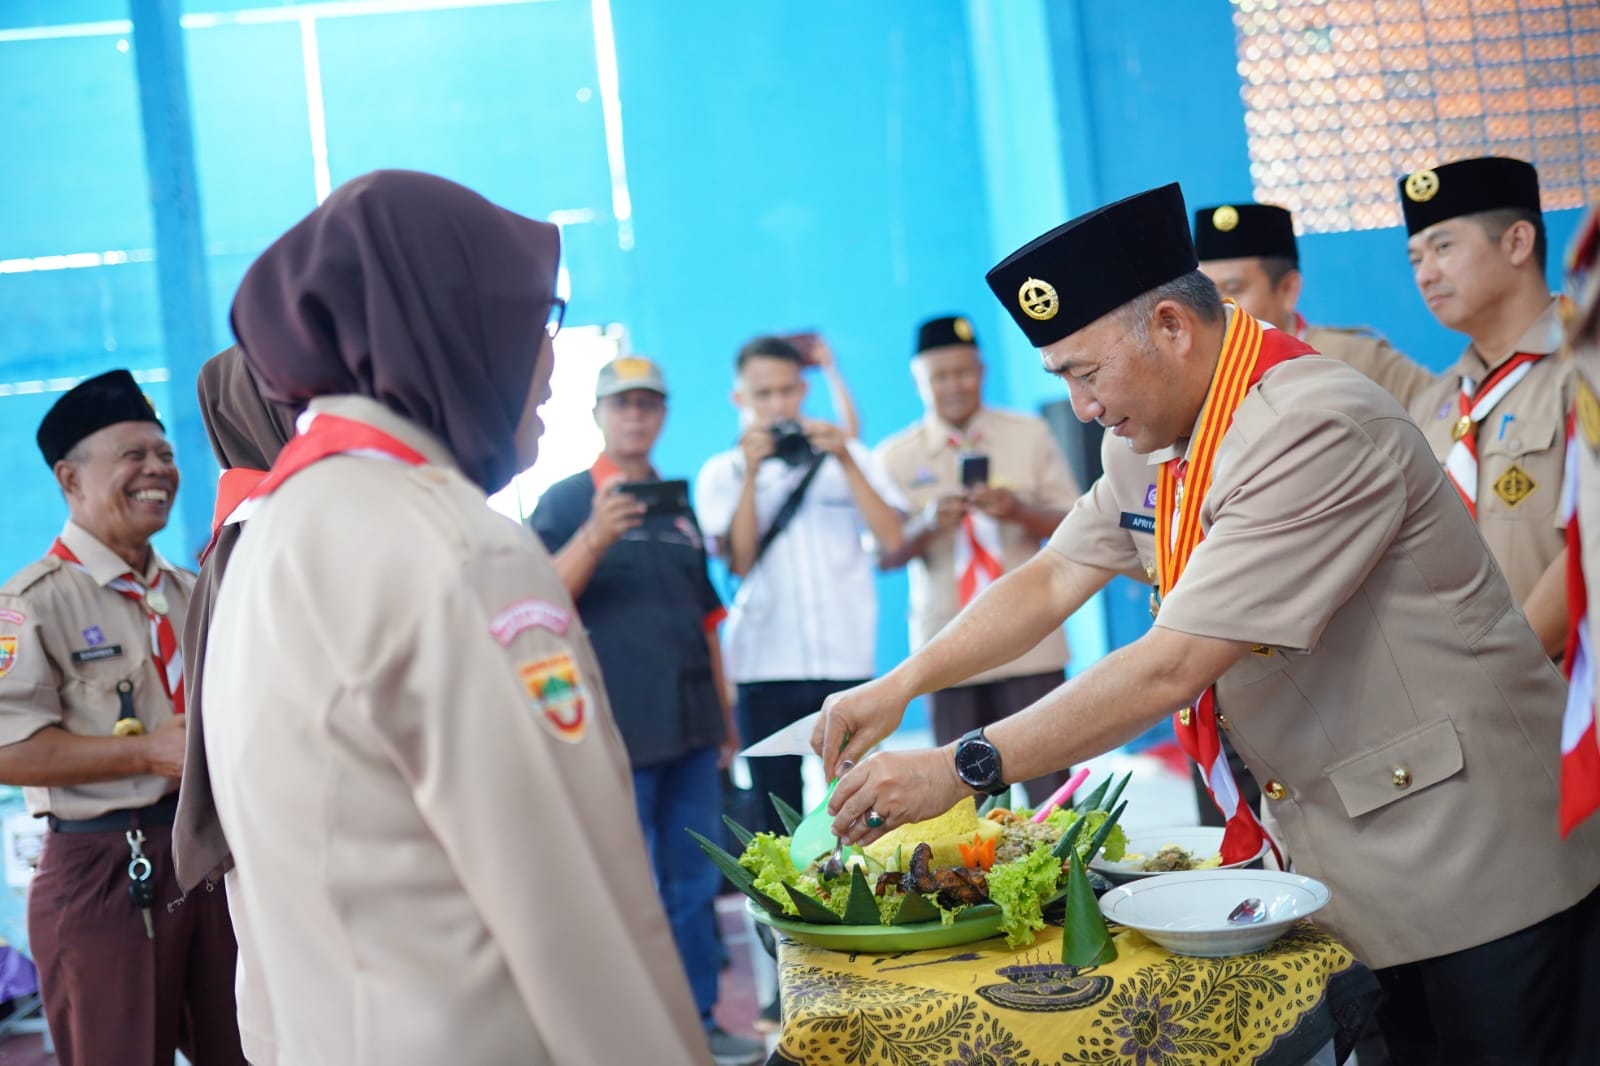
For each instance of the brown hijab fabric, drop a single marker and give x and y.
(417, 292)
(246, 432)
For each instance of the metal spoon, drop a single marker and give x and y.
(1248, 912)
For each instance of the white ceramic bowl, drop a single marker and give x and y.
(1201, 841)
(1187, 913)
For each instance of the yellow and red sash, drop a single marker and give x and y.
(1248, 352)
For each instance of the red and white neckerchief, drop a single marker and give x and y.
(163, 638)
(978, 546)
(320, 436)
(1248, 352)
(1475, 403)
(1580, 743)
(233, 502)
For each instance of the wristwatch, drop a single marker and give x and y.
(978, 763)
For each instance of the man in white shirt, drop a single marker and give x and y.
(804, 622)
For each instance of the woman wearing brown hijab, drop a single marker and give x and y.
(246, 435)
(411, 750)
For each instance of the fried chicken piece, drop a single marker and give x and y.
(955, 885)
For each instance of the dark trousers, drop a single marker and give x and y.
(958, 711)
(1249, 791)
(1531, 997)
(764, 708)
(111, 994)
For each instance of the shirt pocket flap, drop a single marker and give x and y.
(1402, 767)
(1523, 435)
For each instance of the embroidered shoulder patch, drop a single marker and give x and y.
(558, 695)
(10, 617)
(528, 614)
(8, 654)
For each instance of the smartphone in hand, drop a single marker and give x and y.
(659, 497)
(974, 470)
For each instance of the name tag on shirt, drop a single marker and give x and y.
(93, 655)
(1139, 523)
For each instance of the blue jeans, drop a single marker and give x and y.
(685, 793)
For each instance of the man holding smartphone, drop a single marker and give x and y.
(630, 554)
(985, 487)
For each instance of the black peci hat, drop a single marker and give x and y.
(1487, 183)
(90, 406)
(1244, 231)
(1058, 283)
(944, 332)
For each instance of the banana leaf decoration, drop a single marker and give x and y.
(862, 906)
(1085, 939)
(786, 814)
(738, 876)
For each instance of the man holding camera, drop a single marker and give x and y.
(786, 509)
(987, 487)
(630, 555)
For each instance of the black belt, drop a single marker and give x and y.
(161, 812)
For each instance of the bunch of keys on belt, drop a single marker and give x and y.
(140, 891)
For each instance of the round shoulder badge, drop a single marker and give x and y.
(558, 694)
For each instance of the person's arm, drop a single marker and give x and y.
(719, 678)
(738, 545)
(844, 408)
(940, 516)
(1006, 506)
(611, 514)
(1546, 606)
(882, 520)
(55, 758)
(1016, 611)
(1109, 704)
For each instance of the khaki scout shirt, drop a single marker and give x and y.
(1375, 357)
(66, 641)
(1521, 446)
(922, 461)
(1400, 715)
(416, 766)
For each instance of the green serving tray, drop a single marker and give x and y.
(974, 923)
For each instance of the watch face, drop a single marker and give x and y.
(979, 763)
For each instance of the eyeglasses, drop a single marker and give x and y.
(556, 316)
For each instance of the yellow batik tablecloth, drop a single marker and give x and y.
(985, 1003)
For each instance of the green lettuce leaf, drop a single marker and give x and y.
(1021, 888)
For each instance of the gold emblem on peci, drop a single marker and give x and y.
(1588, 414)
(1514, 485)
(1224, 218)
(1422, 186)
(1038, 300)
(962, 329)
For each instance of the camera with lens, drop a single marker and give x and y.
(789, 443)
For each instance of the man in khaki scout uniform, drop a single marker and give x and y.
(1328, 598)
(412, 754)
(1250, 251)
(91, 703)
(1477, 247)
(965, 533)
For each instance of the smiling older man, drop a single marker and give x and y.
(91, 705)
